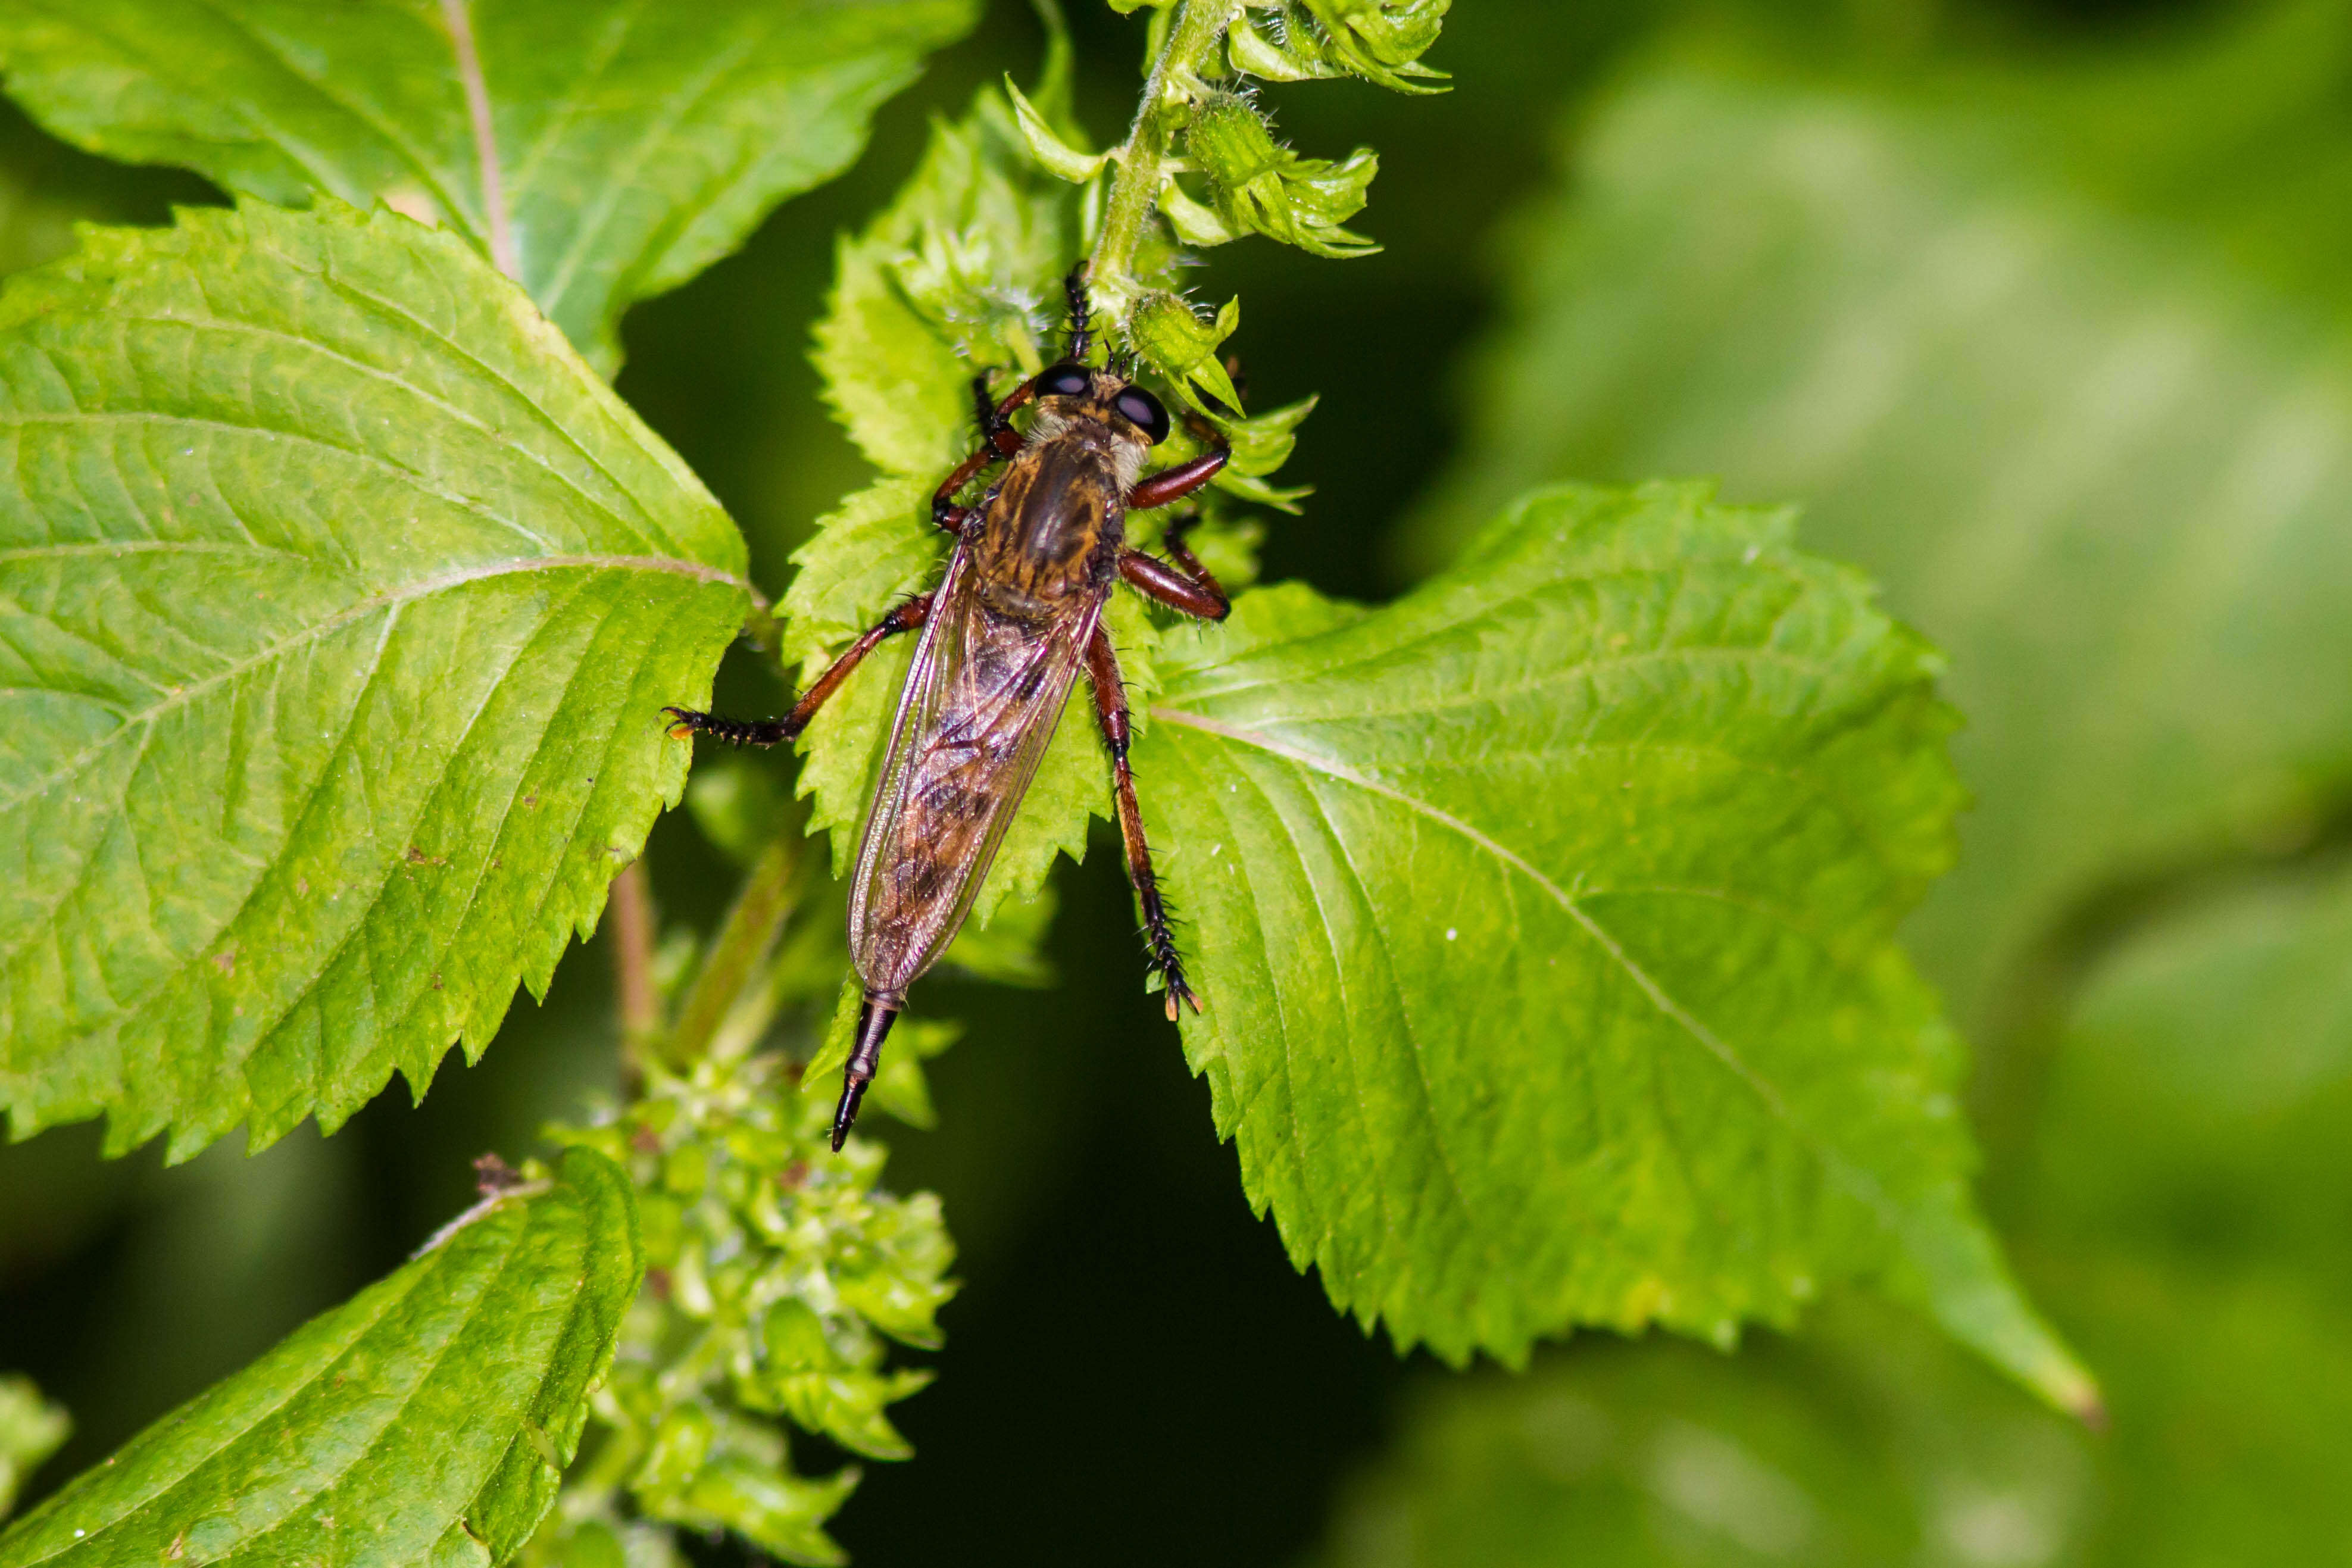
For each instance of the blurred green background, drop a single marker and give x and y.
(2040, 311)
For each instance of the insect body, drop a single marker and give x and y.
(1019, 610)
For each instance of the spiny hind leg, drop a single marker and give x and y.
(771, 731)
(1110, 707)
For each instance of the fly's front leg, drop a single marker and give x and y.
(1110, 707)
(1176, 483)
(998, 441)
(769, 731)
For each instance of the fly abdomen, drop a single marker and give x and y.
(874, 1021)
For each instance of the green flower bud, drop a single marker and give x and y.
(1379, 40)
(1183, 348)
(1383, 40)
(1257, 184)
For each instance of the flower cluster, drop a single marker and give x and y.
(777, 1278)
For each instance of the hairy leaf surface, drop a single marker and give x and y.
(598, 151)
(2093, 440)
(426, 1420)
(1544, 923)
(339, 599)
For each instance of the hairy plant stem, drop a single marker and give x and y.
(632, 965)
(1142, 163)
(760, 910)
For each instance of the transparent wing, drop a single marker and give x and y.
(982, 700)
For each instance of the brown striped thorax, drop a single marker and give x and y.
(1053, 526)
(1016, 615)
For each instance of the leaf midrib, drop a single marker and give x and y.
(466, 62)
(1856, 1180)
(620, 176)
(422, 588)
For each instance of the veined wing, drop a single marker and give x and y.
(982, 700)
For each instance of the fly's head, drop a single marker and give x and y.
(1071, 393)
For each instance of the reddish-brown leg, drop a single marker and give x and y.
(1192, 590)
(1110, 707)
(999, 440)
(769, 731)
(1176, 483)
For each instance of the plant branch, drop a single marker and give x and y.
(633, 963)
(1142, 163)
(749, 930)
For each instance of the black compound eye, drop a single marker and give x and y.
(1065, 381)
(1142, 410)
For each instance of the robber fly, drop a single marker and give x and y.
(1019, 610)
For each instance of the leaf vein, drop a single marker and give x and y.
(421, 588)
(416, 480)
(1856, 1180)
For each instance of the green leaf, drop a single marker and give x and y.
(1183, 348)
(1864, 1443)
(1285, 50)
(2183, 1217)
(2200, 1103)
(1046, 144)
(961, 273)
(1381, 40)
(1861, 1444)
(2185, 1214)
(1009, 951)
(1264, 188)
(1544, 927)
(338, 603)
(2086, 430)
(31, 1429)
(424, 1420)
(599, 150)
